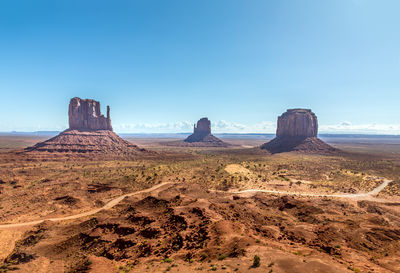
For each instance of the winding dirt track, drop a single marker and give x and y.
(344, 195)
(109, 205)
(117, 200)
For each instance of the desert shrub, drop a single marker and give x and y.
(221, 257)
(167, 260)
(256, 261)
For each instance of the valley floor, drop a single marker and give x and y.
(201, 210)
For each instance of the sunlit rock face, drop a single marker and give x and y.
(89, 132)
(297, 131)
(84, 114)
(297, 123)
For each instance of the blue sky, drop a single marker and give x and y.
(162, 65)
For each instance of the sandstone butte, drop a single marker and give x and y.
(297, 131)
(86, 115)
(89, 132)
(202, 135)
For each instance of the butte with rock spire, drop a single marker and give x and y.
(89, 132)
(201, 137)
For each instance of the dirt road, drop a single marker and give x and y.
(117, 200)
(109, 205)
(344, 195)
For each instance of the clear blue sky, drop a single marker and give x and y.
(161, 65)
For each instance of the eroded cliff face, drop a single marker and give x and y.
(203, 127)
(84, 114)
(297, 123)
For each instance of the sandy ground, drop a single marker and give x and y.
(7, 239)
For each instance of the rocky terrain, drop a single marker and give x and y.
(76, 141)
(89, 132)
(183, 228)
(196, 211)
(297, 131)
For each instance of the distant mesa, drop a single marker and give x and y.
(297, 131)
(89, 132)
(201, 137)
(202, 132)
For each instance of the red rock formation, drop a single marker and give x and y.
(201, 137)
(89, 132)
(297, 131)
(89, 141)
(201, 131)
(203, 126)
(84, 114)
(297, 123)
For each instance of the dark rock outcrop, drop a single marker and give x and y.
(84, 114)
(201, 137)
(297, 131)
(201, 132)
(89, 132)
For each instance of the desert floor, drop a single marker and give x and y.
(188, 209)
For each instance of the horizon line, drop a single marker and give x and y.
(188, 133)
